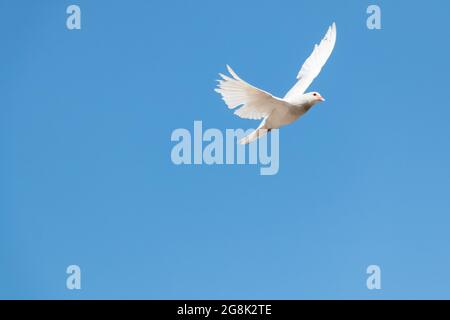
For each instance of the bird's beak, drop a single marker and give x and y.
(321, 98)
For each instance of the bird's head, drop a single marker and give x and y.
(315, 97)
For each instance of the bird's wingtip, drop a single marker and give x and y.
(233, 74)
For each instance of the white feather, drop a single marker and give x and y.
(314, 64)
(256, 103)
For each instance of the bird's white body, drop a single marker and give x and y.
(277, 112)
(290, 113)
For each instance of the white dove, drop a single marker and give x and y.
(276, 112)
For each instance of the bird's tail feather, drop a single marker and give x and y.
(258, 133)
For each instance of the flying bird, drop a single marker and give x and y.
(277, 112)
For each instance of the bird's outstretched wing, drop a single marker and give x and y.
(256, 103)
(313, 65)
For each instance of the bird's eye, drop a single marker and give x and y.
(315, 94)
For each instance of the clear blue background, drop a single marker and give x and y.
(87, 179)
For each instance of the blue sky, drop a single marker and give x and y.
(87, 179)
